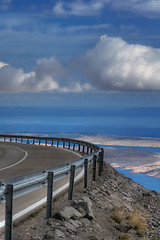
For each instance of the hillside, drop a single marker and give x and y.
(113, 207)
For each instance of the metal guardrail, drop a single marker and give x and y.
(33, 181)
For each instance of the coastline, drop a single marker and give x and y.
(132, 159)
(138, 161)
(122, 140)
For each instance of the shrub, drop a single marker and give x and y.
(138, 223)
(118, 214)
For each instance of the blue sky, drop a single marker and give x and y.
(96, 52)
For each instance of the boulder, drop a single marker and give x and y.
(84, 205)
(67, 213)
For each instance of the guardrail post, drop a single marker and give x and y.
(102, 157)
(73, 146)
(85, 173)
(63, 144)
(83, 148)
(79, 147)
(71, 182)
(8, 211)
(94, 168)
(49, 195)
(87, 150)
(100, 164)
(69, 145)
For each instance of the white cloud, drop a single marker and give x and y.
(78, 8)
(76, 87)
(47, 76)
(2, 64)
(44, 78)
(94, 7)
(144, 7)
(113, 64)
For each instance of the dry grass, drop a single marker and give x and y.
(137, 222)
(118, 215)
(123, 236)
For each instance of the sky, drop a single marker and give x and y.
(80, 53)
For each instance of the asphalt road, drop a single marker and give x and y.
(18, 159)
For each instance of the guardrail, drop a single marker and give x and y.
(19, 186)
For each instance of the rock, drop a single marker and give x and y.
(88, 207)
(123, 228)
(75, 223)
(70, 227)
(55, 235)
(92, 238)
(67, 213)
(85, 222)
(84, 205)
(49, 235)
(94, 192)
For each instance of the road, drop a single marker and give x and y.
(19, 159)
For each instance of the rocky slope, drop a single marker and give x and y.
(113, 207)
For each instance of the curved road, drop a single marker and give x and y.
(18, 159)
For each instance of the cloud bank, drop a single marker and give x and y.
(113, 64)
(47, 76)
(94, 7)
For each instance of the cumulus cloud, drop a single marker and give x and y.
(76, 87)
(46, 76)
(93, 7)
(113, 64)
(78, 8)
(2, 64)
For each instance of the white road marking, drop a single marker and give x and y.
(26, 154)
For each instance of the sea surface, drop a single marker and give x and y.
(122, 121)
(151, 183)
(75, 121)
(146, 181)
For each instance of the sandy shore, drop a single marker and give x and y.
(128, 158)
(122, 141)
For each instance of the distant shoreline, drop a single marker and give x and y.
(128, 158)
(122, 140)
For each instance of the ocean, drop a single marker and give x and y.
(122, 121)
(76, 121)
